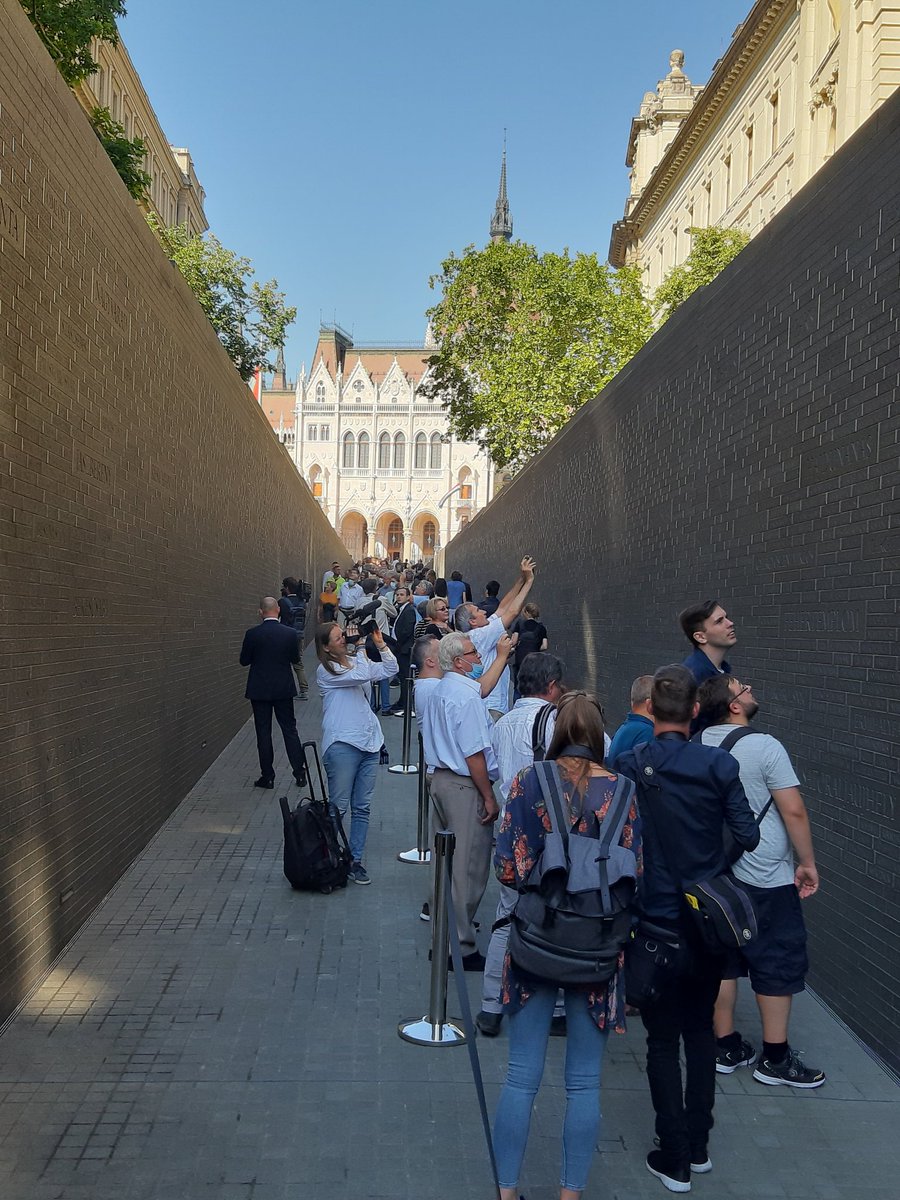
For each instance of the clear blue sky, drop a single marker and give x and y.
(346, 148)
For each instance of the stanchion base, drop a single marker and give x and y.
(424, 1033)
(400, 769)
(415, 856)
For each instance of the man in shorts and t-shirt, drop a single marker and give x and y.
(776, 960)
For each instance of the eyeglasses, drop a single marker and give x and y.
(466, 653)
(745, 688)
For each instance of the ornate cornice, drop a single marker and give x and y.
(760, 21)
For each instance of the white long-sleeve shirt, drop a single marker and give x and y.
(347, 715)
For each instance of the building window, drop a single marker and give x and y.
(436, 452)
(726, 163)
(320, 393)
(707, 202)
(773, 100)
(749, 153)
(429, 534)
(384, 452)
(399, 452)
(362, 452)
(315, 481)
(420, 456)
(326, 432)
(349, 456)
(313, 433)
(395, 536)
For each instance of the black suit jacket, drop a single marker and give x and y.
(269, 649)
(405, 629)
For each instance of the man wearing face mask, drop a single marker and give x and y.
(457, 729)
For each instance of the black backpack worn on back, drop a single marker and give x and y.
(316, 853)
(576, 909)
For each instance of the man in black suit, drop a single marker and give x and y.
(270, 649)
(402, 637)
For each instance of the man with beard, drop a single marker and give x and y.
(776, 960)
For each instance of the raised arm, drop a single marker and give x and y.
(491, 677)
(511, 604)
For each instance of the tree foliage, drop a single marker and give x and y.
(67, 27)
(712, 249)
(127, 155)
(250, 318)
(525, 339)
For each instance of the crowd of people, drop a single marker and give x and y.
(498, 719)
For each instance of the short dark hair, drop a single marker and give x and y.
(456, 575)
(492, 588)
(291, 584)
(537, 671)
(674, 694)
(370, 585)
(691, 619)
(715, 699)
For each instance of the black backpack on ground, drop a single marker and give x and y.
(575, 912)
(316, 853)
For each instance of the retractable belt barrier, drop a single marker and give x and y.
(420, 854)
(406, 767)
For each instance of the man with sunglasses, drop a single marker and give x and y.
(776, 960)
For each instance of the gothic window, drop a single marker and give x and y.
(326, 432)
(349, 456)
(429, 533)
(315, 481)
(435, 452)
(420, 459)
(362, 452)
(313, 433)
(320, 393)
(399, 452)
(384, 452)
(395, 536)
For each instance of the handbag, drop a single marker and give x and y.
(654, 958)
(719, 909)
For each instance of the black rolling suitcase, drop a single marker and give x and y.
(316, 853)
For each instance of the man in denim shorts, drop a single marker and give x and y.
(776, 960)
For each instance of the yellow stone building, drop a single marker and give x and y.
(798, 79)
(175, 194)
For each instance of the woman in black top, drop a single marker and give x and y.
(437, 616)
(532, 637)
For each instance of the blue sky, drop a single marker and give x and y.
(347, 148)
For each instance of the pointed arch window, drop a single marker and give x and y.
(320, 393)
(420, 454)
(384, 452)
(348, 459)
(436, 451)
(362, 451)
(399, 452)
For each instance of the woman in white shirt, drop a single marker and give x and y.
(351, 732)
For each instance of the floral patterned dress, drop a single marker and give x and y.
(520, 839)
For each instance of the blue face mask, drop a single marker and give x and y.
(477, 671)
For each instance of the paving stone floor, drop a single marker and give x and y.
(213, 1035)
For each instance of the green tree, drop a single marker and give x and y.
(525, 339)
(127, 155)
(67, 27)
(712, 249)
(250, 318)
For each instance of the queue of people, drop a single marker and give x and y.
(689, 763)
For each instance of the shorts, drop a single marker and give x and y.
(776, 960)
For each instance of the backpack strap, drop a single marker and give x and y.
(539, 732)
(548, 778)
(611, 830)
(726, 743)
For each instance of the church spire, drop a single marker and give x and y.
(279, 382)
(501, 222)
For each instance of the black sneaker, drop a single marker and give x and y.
(728, 1061)
(359, 874)
(701, 1164)
(489, 1023)
(791, 1072)
(674, 1177)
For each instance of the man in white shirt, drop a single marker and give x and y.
(776, 960)
(486, 631)
(350, 597)
(517, 738)
(456, 729)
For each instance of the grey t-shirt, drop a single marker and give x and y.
(765, 767)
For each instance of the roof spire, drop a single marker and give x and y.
(501, 222)
(279, 382)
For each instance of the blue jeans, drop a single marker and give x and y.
(351, 781)
(529, 1030)
(381, 694)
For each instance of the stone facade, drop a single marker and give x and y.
(175, 194)
(798, 79)
(751, 451)
(377, 454)
(134, 546)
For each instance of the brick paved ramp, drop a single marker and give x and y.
(212, 1035)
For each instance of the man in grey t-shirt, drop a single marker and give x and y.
(776, 961)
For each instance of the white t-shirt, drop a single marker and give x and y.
(485, 642)
(765, 766)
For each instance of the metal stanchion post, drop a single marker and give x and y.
(406, 767)
(420, 852)
(434, 1029)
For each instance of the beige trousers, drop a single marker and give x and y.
(457, 806)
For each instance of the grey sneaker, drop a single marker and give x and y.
(728, 1061)
(359, 874)
(792, 1072)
